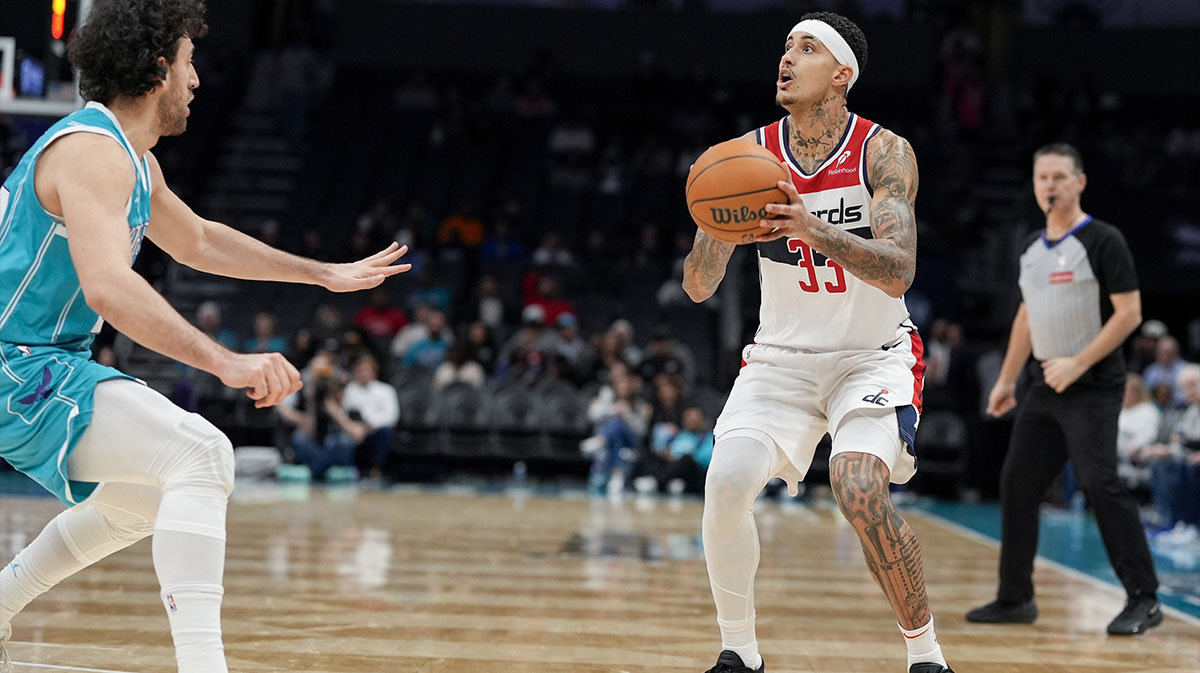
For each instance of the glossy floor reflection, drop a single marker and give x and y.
(342, 581)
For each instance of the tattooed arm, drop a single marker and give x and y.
(887, 261)
(705, 266)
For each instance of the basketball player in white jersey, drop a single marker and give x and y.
(835, 350)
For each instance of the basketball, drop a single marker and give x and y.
(729, 188)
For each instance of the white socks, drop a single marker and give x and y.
(190, 568)
(739, 637)
(923, 645)
(194, 611)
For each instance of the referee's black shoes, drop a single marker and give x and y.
(1005, 613)
(729, 662)
(1140, 613)
(928, 668)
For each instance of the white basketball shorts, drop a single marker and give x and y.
(794, 397)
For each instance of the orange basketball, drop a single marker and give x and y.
(729, 187)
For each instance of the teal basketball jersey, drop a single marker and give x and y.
(47, 378)
(40, 301)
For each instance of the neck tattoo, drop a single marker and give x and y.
(823, 124)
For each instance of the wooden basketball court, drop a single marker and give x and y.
(342, 581)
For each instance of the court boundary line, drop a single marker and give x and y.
(975, 535)
(69, 668)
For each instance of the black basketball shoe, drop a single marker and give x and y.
(928, 668)
(730, 662)
(1004, 613)
(1140, 613)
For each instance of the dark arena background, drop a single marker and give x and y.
(532, 155)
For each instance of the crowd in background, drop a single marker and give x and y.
(505, 285)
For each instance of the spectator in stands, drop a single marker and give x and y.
(620, 423)
(482, 346)
(665, 355)
(312, 245)
(303, 347)
(321, 437)
(416, 231)
(430, 289)
(1166, 367)
(487, 305)
(622, 331)
(379, 318)
(412, 332)
(354, 345)
(459, 367)
(462, 227)
(265, 339)
(667, 404)
(677, 462)
(937, 353)
(1137, 427)
(326, 324)
(193, 387)
(1175, 484)
(502, 246)
(208, 319)
(378, 412)
(670, 293)
(543, 291)
(430, 351)
(608, 356)
(552, 254)
(526, 349)
(570, 345)
(377, 226)
(1141, 353)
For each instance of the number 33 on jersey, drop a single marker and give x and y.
(810, 302)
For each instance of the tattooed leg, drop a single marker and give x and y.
(860, 484)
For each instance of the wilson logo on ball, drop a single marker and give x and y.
(737, 215)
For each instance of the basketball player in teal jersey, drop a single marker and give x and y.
(124, 460)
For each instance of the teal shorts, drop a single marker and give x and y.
(47, 394)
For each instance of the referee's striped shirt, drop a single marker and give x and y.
(1066, 284)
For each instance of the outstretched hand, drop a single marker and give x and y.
(366, 273)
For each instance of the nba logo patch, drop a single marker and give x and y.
(24, 351)
(171, 603)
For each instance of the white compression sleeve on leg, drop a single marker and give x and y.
(138, 436)
(114, 518)
(739, 470)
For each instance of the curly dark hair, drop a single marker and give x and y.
(117, 48)
(849, 32)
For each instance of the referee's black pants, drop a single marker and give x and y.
(1079, 424)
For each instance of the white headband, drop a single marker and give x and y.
(833, 41)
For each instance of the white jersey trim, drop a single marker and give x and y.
(33, 269)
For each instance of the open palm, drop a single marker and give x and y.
(368, 272)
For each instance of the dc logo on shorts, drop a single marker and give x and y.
(877, 398)
(171, 603)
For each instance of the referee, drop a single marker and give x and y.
(1079, 301)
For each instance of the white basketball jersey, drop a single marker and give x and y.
(810, 302)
